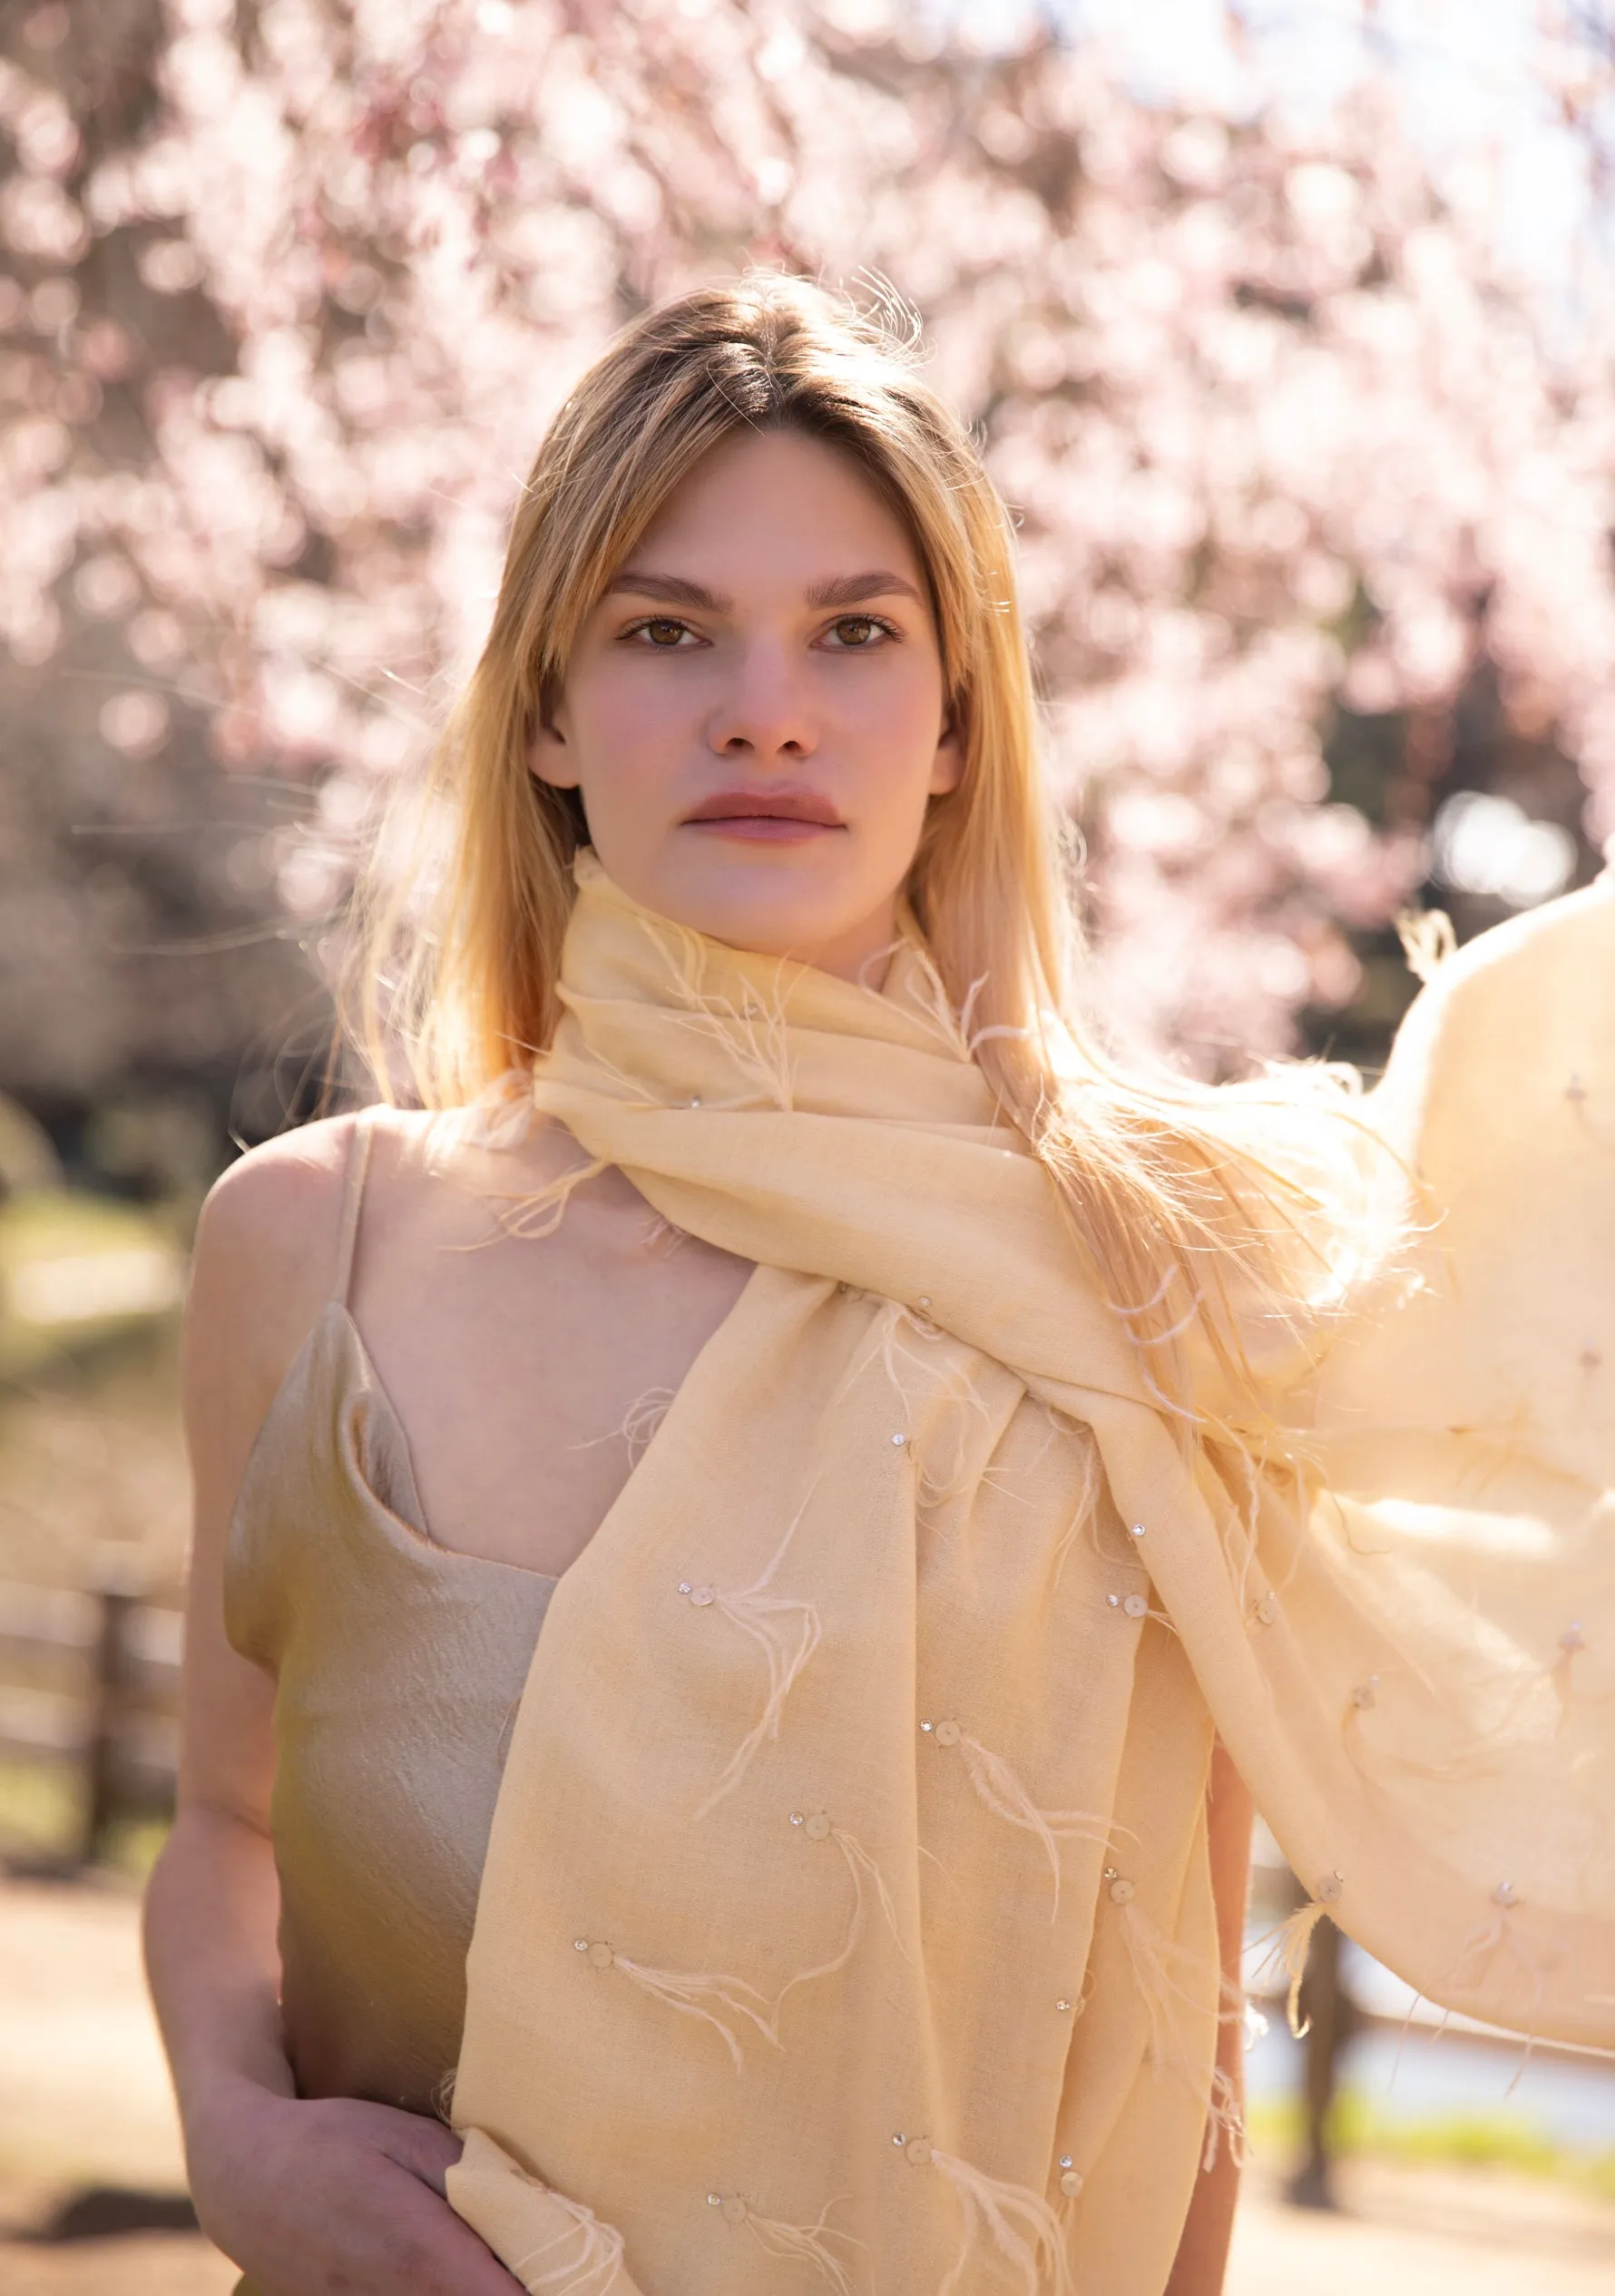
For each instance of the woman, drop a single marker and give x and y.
(914, 1440)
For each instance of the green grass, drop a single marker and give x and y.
(1495, 2140)
(47, 1225)
(39, 1808)
(41, 1814)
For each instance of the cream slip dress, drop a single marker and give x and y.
(399, 1665)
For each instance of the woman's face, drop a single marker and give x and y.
(754, 711)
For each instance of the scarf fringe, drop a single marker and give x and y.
(691, 1993)
(1001, 1791)
(642, 1418)
(884, 1347)
(762, 1615)
(764, 1618)
(859, 1863)
(1479, 1950)
(592, 2271)
(1085, 1515)
(1482, 1948)
(1468, 1763)
(688, 1994)
(1288, 1947)
(1016, 2224)
(637, 1426)
(1150, 1955)
(1225, 2120)
(534, 1217)
(804, 2244)
(755, 1035)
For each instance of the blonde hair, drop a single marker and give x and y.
(1146, 1170)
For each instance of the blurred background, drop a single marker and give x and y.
(1288, 332)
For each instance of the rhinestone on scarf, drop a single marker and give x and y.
(1065, 2160)
(714, 2200)
(684, 1586)
(1114, 1601)
(797, 1818)
(1112, 1873)
(899, 2140)
(580, 1944)
(1136, 1530)
(1063, 2007)
(927, 1726)
(695, 1103)
(899, 1440)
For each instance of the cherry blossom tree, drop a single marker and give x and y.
(1310, 516)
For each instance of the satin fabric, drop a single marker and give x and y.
(398, 1664)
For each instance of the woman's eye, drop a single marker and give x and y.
(856, 632)
(662, 635)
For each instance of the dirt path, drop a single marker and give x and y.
(85, 2104)
(1402, 2232)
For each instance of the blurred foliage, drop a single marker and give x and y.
(42, 1821)
(1315, 524)
(1497, 2139)
(76, 1271)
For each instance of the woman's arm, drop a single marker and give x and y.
(308, 2197)
(1203, 2250)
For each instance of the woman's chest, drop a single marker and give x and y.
(528, 1373)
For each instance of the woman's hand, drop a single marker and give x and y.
(334, 2197)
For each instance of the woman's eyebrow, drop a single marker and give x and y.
(853, 589)
(672, 589)
(837, 590)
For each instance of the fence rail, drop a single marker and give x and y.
(89, 1678)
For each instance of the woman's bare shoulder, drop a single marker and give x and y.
(268, 1242)
(279, 1208)
(266, 1245)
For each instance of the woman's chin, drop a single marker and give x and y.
(784, 919)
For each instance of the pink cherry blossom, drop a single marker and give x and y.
(1280, 431)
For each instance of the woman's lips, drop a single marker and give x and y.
(764, 829)
(767, 817)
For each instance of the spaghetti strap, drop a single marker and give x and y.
(359, 1161)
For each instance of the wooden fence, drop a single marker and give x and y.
(89, 1682)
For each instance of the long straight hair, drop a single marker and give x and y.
(1185, 1226)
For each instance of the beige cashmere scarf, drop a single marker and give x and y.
(847, 1920)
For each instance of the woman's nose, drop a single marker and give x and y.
(765, 710)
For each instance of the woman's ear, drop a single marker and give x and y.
(549, 759)
(947, 770)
